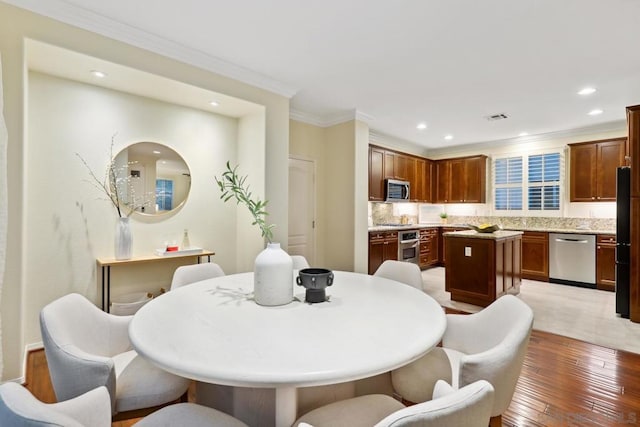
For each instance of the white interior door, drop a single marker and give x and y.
(302, 196)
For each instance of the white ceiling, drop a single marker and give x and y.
(448, 63)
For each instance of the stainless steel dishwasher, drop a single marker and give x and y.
(572, 259)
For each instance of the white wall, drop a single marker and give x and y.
(16, 27)
(68, 222)
(251, 154)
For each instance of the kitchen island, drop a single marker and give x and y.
(481, 267)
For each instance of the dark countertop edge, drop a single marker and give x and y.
(439, 225)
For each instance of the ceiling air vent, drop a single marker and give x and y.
(494, 117)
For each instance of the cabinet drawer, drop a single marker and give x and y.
(535, 235)
(606, 238)
(382, 235)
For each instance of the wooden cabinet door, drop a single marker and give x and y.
(535, 255)
(610, 155)
(429, 181)
(418, 191)
(457, 181)
(401, 166)
(583, 173)
(475, 179)
(389, 160)
(382, 246)
(443, 178)
(434, 239)
(376, 174)
(606, 263)
(391, 247)
(411, 176)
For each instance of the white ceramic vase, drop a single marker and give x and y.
(123, 239)
(273, 276)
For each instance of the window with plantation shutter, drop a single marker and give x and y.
(527, 183)
(544, 182)
(508, 183)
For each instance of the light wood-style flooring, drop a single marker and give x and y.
(564, 382)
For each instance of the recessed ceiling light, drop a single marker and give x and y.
(99, 74)
(214, 103)
(421, 126)
(595, 112)
(523, 134)
(587, 91)
(448, 137)
(156, 152)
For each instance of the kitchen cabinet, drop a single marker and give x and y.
(383, 245)
(461, 180)
(482, 268)
(424, 172)
(606, 262)
(441, 242)
(593, 169)
(429, 238)
(443, 180)
(376, 174)
(389, 164)
(535, 255)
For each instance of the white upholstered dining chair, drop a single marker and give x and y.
(488, 345)
(192, 273)
(405, 272)
(470, 406)
(87, 348)
(19, 408)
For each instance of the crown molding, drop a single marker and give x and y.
(67, 13)
(619, 125)
(331, 120)
(304, 117)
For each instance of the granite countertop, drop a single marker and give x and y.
(496, 235)
(437, 224)
(398, 227)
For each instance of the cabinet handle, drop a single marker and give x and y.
(593, 198)
(598, 247)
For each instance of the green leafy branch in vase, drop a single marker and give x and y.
(233, 186)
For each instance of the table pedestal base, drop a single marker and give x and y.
(263, 407)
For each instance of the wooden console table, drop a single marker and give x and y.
(106, 264)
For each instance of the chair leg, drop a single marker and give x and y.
(496, 421)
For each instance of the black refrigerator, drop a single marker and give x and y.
(623, 240)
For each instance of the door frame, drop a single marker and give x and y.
(315, 204)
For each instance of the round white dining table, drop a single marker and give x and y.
(213, 332)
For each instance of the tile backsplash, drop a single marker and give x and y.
(392, 213)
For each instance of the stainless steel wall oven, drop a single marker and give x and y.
(409, 246)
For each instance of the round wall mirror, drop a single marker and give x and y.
(154, 179)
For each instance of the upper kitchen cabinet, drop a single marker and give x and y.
(421, 192)
(388, 164)
(461, 180)
(376, 173)
(593, 169)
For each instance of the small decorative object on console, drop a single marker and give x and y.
(315, 280)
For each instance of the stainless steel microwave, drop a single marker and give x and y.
(397, 191)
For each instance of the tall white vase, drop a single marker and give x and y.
(273, 276)
(123, 239)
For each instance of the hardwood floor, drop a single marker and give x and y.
(564, 382)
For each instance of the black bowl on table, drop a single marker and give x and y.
(315, 280)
